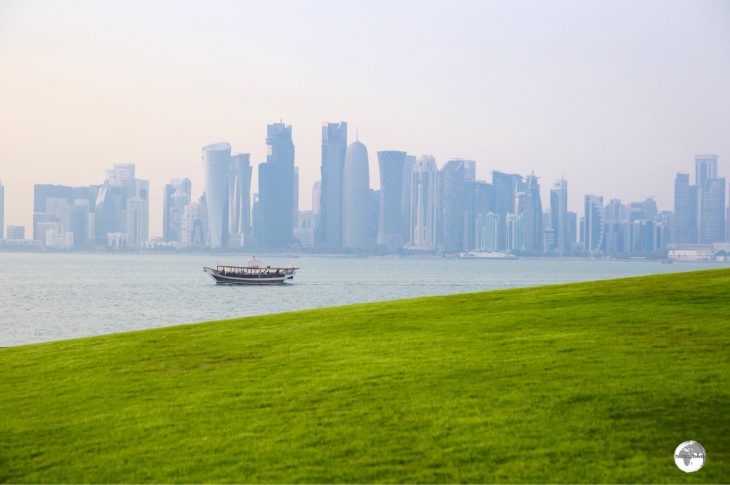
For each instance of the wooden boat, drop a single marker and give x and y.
(253, 274)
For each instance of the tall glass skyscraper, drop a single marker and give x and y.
(685, 210)
(505, 190)
(559, 216)
(275, 219)
(705, 169)
(217, 159)
(456, 179)
(593, 223)
(334, 147)
(530, 206)
(712, 227)
(239, 198)
(356, 194)
(390, 228)
(177, 195)
(424, 204)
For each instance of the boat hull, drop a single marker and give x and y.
(228, 279)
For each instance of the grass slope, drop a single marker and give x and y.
(589, 382)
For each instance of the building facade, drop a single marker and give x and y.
(390, 227)
(216, 160)
(334, 148)
(356, 198)
(275, 219)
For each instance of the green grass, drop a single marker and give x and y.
(588, 382)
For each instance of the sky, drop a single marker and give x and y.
(616, 96)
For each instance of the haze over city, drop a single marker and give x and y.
(616, 97)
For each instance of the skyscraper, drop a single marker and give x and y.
(705, 169)
(217, 160)
(356, 194)
(424, 204)
(712, 224)
(239, 198)
(276, 190)
(593, 223)
(406, 202)
(392, 167)
(559, 216)
(572, 229)
(530, 206)
(485, 221)
(505, 188)
(138, 207)
(616, 232)
(334, 147)
(685, 210)
(68, 209)
(194, 224)
(177, 195)
(456, 178)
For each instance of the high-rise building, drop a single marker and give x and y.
(2, 211)
(109, 212)
(593, 223)
(356, 195)
(194, 224)
(334, 147)
(276, 190)
(120, 174)
(530, 206)
(516, 231)
(483, 224)
(217, 160)
(705, 169)
(505, 189)
(559, 216)
(71, 208)
(685, 210)
(390, 227)
(709, 193)
(130, 205)
(456, 179)
(572, 229)
(406, 202)
(177, 195)
(712, 222)
(424, 204)
(239, 199)
(138, 214)
(617, 227)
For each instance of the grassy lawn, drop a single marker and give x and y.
(588, 382)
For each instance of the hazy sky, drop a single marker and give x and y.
(615, 95)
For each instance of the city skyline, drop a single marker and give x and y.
(607, 96)
(421, 208)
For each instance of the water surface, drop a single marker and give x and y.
(59, 296)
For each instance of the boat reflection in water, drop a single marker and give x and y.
(253, 274)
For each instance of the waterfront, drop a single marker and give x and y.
(56, 296)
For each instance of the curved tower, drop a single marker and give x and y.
(356, 191)
(392, 165)
(217, 159)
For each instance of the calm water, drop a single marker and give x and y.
(58, 296)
